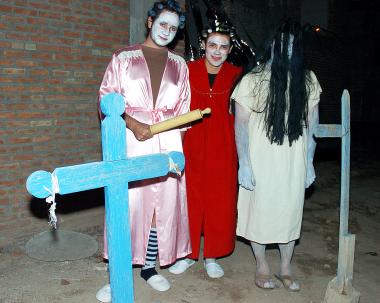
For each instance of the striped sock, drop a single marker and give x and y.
(148, 270)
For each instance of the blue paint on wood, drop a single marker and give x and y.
(328, 131)
(346, 254)
(114, 144)
(116, 202)
(113, 174)
(39, 184)
(345, 164)
(88, 176)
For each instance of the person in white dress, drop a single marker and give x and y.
(276, 115)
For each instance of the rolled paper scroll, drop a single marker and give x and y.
(178, 121)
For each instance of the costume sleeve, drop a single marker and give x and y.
(183, 105)
(245, 173)
(111, 82)
(315, 91)
(238, 71)
(313, 121)
(243, 92)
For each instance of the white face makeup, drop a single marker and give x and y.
(164, 28)
(217, 49)
(290, 46)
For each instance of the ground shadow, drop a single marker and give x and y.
(68, 203)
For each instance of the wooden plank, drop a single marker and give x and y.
(328, 131)
(88, 176)
(346, 241)
(346, 262)
(94, 175)
(114, 143)
(119, 243)
(340, 289)
(345, 164)
(116, 202)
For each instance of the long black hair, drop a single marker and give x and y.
(283, 66)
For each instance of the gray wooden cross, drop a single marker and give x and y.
(114, 174)
(340, 289)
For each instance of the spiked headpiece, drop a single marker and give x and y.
(218, 22)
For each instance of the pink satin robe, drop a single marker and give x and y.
(128, 75)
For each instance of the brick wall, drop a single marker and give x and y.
(53, 54)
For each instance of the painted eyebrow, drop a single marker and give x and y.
(167, 23)
(216, 43)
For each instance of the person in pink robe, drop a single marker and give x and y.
(157, 204)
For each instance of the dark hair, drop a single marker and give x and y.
(218, 22)
(170, 6)
(281, 68)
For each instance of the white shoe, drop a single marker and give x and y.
(159, 283)
(214, 270)
(104, 294)
(181, 266)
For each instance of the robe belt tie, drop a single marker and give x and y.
(156, 114)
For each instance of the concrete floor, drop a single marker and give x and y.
(26, 280)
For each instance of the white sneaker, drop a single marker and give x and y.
(159, 283)
(214, 270)
(104, 294)
(181, 266)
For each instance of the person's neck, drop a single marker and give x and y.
(150, 43)
(211, 69)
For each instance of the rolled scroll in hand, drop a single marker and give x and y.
(179, 121)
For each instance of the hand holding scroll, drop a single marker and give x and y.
(140, 130)
(178, 121)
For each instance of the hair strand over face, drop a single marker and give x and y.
(284, 68)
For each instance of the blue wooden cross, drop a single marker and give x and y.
(340, 289)
(114, 174)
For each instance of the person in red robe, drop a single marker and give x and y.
(210, 153)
